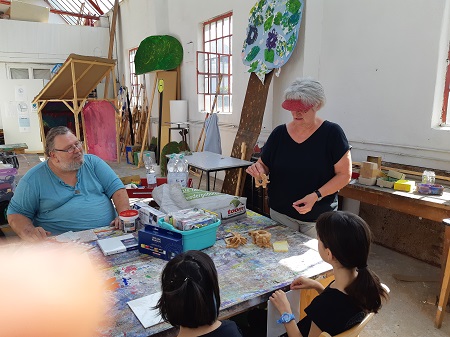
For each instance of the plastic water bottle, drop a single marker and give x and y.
(151, 174)
(177, 171)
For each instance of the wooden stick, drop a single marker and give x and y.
(111, 43)
(238, 184)
(147, 123)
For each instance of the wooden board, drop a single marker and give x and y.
(249, 127)
(169, 93)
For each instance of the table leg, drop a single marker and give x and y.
(443, 297)
(207, 180)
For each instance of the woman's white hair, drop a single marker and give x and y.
(308, 90)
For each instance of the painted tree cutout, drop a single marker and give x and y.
(272, 35)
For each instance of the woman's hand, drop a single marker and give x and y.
(306, 283)
(281, 302)
(257, 169)
(305, 204)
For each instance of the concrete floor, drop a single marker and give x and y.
(412, 307)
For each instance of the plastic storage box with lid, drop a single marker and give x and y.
(195, 239)
(431, 189)
(7, 177)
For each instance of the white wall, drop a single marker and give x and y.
(36, 42)
(381, 62)
(31, 43)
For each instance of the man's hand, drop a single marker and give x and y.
(34, 235)
(115, 223)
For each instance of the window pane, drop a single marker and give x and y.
(226, 26)
(206, 33)
(19, 73)
(41, 74)
(224, 65)
(226, 43)
(213, 65)
(219, 28)
(219, 46)
(213, 31)
(213, 47)
(207, 47)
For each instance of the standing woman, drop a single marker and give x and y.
(308, 160)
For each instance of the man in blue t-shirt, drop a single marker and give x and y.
(68, 192)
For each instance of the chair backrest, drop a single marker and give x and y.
(354, 331)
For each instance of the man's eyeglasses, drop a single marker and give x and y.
(72, 148)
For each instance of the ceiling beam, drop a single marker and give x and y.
(56, 11)
(97, 8)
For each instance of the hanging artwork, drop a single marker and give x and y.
(100, 126)
(272, 34)
(158, 52)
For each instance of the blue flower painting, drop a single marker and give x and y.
(272, 34)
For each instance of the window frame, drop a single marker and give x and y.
(135, 81)
(30, 67)
(214, 64)
(446, 102)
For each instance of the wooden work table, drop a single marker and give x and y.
(432, 207)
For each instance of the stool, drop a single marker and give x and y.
(445, 288)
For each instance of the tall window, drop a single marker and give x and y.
(135, 90)
(446, 104)
(214, 64)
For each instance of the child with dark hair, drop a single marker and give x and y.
(190, 297)
(344, 241)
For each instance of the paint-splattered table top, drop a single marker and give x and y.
(248, 275)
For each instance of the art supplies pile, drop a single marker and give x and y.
(189, 219)
(172, 198)
(147, 214)
(118, 244)
(159, 242)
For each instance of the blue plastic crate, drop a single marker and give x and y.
(195, 239)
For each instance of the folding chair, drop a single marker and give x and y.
(352, 332)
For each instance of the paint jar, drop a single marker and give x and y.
(128, 220)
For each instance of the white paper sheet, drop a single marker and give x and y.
(275, 329)
(143, 309)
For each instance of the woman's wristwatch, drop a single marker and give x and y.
(286, 318)
(319, 195)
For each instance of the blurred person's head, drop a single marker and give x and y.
(51, 290)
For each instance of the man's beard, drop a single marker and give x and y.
(73, 165)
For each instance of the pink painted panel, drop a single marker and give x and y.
(100, 129)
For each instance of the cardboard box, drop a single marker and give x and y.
(385, 183)
(147, 214)
(160, 242)
(375, 159)
(369, 170)
(395, 174)
(136, 179)
(367, 181)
